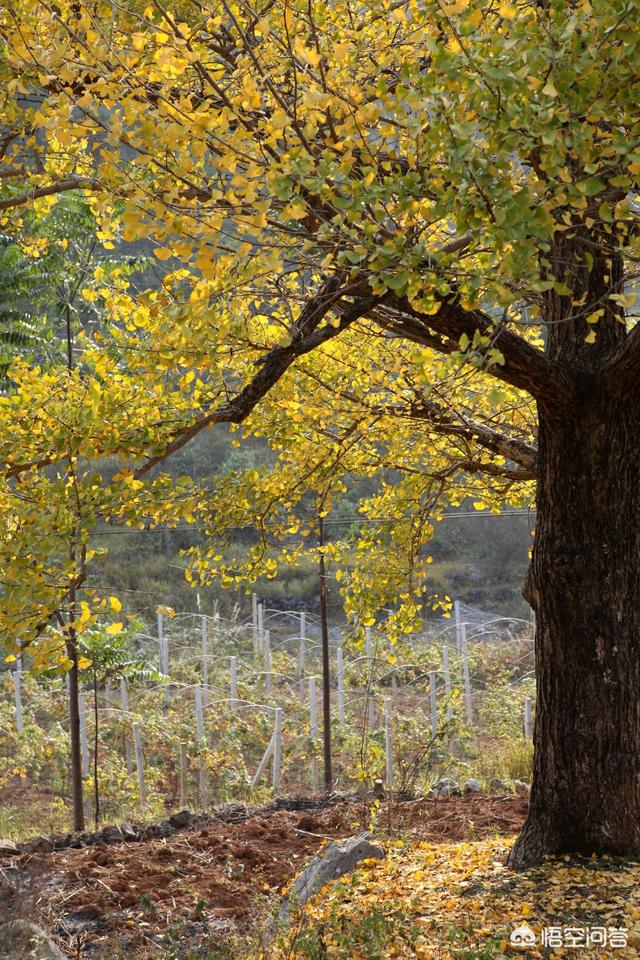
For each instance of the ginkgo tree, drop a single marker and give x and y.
(396, 233)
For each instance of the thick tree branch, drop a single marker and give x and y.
(271, 367)
(275, 363)
(524, 366)
(453, 424)
(443, 422)
(62, 186)
(513, 474)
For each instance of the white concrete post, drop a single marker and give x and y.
(137, 742)
(260, 626)
(263, 763)
(527, 719)
(302, 655)
(267, 663)
(388, 742)
(183, 776)
(161, 663)
(17, 690)
(367, 642)
(84, 741)
(458, 619)
(124, 698)
(465, 671)
(313, 707)
(433, 702)
(447, 679)
(124, 705)
(254, 622)
(205, 655)
(233, 682)
(340, 678)
(371, 710)
(202, 777)
(277, 749)
(199, 712)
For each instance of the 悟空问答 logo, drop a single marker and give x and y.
(523, 937)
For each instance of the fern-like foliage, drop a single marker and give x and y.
(43, 272)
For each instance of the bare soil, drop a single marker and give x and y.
(214, 879)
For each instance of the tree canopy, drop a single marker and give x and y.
(366, 215)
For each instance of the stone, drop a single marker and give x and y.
(499, 786)
(128, 831)
(181, 819)
(111, 835)
(21, 940)
(8, 848)
(333, 861)
(471, 786)
(40, 845)
(445, 787)
(521, 787)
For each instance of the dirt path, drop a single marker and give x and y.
(212, 878)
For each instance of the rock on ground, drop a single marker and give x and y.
(445, 787)
(333, 861)
(471, 786)
(21, 940)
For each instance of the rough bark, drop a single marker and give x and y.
(583, 586)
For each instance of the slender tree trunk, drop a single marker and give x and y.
(326, 664)
(74, 723)
(96, 742)
(583, 586)
(72, 648)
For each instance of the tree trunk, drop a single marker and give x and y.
(76, 754)
(326, 664)
(583, 586)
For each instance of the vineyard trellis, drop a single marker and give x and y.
(217, 671)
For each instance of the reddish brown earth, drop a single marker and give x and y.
(216, 878)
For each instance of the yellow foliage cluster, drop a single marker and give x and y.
(352, 210)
